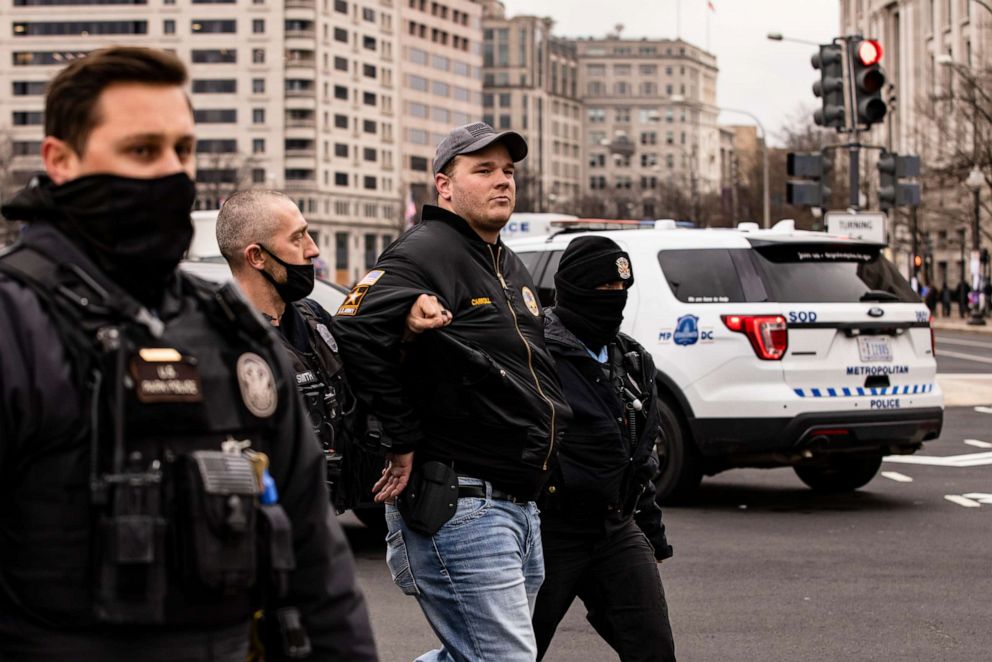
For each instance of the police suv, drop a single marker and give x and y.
(774, 348)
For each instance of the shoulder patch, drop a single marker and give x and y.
(372, 277)
(352, 302)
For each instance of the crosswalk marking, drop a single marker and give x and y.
(896, 476)
(962, 501)
(966, 460)
(977, 443)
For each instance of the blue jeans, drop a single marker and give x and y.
(476, 579)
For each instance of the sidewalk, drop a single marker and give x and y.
(955, 323)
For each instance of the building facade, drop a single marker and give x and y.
(937, 55)
(649, 124)
(531, 86)
(297, 95)
(440, 69)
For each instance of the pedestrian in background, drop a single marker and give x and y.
(152, 440)
(471, 405)
(602, 530)
(945, 300)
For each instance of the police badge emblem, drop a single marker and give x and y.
(530, 301)
(258, 385)
(623, 268)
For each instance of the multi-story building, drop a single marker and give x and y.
(531, 86)
(298, 95)
(649, 124)
(440, 82)
(936, 55)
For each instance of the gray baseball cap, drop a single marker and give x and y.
(473, 137)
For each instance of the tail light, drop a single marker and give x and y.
(933, 339)
(768, 334)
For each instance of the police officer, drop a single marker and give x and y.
(264, 238)
(600, 525)
(160, 481)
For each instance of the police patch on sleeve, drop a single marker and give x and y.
(325, 334)
(352, 302)
(530, 301)
(258, 385)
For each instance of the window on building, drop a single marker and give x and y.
(418, 163)
(215, 116)
(368, 14)
(341, 6)
(258, 116)
(258, 85)
(369, 43)
(258, 26)
(168, 26)
(368, 98)
(215, 86)
(341, 240)
(340, 34)
(213, 26)
(341, 92)
(28, 88)
(369, 70)
(258, 56)
(214, 56)
(258, 146)
(369, 126)
(371, 253)
(340, 179)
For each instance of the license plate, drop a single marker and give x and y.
(875, 349)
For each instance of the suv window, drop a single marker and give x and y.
(825, 273)
(704, 276)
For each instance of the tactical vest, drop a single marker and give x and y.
(320, 379)
(159, 514)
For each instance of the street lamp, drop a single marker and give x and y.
(974, 182)
(778, 36)
(766, 215)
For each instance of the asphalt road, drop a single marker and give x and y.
(767, 570)
(963, 353)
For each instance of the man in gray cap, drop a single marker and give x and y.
(469, 402)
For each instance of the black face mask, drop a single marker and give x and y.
(136, 230)
(594, 316)
(299, 279)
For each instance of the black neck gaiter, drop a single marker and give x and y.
(136, 230)
(299, 278)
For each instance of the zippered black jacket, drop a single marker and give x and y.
(600, 478)
(482, 392)
(45, 512)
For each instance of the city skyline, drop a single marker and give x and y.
(750, 65)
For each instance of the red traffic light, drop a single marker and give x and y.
(869, 52)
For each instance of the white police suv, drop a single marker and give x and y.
(774, 348)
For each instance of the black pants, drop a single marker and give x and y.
(616, 577)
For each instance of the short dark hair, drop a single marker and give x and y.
(72, 96)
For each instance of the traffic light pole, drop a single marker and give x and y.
(854, 179)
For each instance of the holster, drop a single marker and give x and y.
(430, 499)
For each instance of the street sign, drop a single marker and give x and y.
(866, 225)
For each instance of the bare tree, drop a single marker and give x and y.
(220, 175)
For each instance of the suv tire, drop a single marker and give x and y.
(840, 474)
(680, 463)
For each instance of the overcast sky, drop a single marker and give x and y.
(768, 78)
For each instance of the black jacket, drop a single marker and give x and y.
(599, 479)
(45, 512)
(482, 392)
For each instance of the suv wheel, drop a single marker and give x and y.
(840, 474)
(680, 463)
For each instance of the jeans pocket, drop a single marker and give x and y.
(469, 509)
(399, 563)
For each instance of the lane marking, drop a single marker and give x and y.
(965, 343)
(984, 410)
(962, 501)
(977, 443)
(896, 476)
(967, 460)
(977, 376)
(959, 355)
(979, 497)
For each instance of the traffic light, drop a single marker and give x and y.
(891, 192)
(815, 191)
(869, 79)
(830, 87)
(918, 261)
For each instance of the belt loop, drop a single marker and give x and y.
(489, 490)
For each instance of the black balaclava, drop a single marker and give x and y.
(593, 315)
(299, 278)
